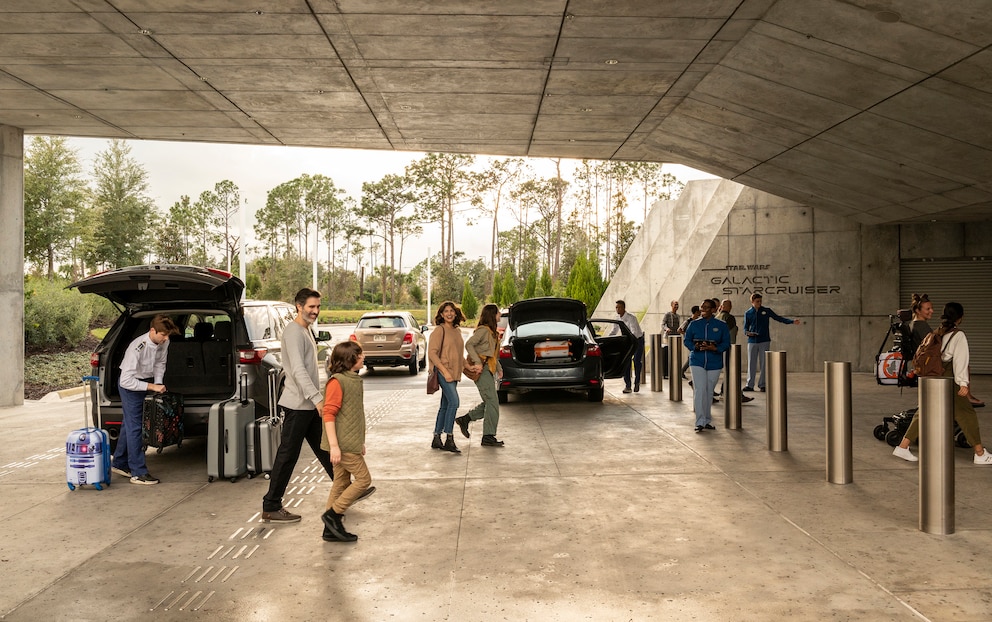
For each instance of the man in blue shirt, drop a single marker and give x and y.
(759, 339)
(707, 338)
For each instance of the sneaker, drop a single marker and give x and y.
(747, 389)
(627, 390)
(985, 458)
(120, 471)
(637, 388)
(699, 429)
(762, 389)
(365, 495)
(746, 398)
(146, 479)
(709, 426)
(280, 516)
(906, 454)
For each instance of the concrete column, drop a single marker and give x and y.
(12, 264)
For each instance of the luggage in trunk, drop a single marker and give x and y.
(227, 425)
(162, 420)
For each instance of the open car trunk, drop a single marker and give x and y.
(548, 351)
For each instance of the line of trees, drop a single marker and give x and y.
(563, 234)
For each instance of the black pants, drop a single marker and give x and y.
(638, 363)
(297, 426)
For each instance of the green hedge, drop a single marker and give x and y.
(54, 315)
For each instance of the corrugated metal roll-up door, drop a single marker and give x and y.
(962, 280)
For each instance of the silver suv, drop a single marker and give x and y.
(221, 339)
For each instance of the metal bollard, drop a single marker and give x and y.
(657, 364)
(675, 368)
(936, 455)
(837, 394)
(732, 389)
(778, 428)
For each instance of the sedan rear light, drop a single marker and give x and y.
(252, 356)
(408, 338)
(95, 359)
(504, 353)
(593, 350)
(352, 337)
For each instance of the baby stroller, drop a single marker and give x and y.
(900, 423)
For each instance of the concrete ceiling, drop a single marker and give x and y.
(880, 111)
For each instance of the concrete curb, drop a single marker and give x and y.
(64, 394)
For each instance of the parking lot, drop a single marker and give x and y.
(613, 511)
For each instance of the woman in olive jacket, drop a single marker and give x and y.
(446, 353)
(483, 351)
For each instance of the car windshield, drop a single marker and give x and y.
(540, 329)
(380, 322)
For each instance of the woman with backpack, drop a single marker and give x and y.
(955, 356)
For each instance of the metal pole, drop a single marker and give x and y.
(837, 392)
(936, 455)
(778, 429)
(675, 368)
(732, 389)
(657, 352)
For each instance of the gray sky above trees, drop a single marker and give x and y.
(175, 169)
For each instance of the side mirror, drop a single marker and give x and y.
(424, 328)
(323, 335)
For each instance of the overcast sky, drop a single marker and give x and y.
(176, 169)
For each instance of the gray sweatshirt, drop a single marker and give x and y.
(299, 361)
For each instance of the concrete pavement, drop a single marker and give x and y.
(616, 511)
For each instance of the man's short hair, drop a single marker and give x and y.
(755, 296)
(305, 294)
(164, 325)
(620, 302)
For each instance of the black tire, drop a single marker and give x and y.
(880, 431)
(596, 395)
(413, 364)
(503, 397)
(893, 438)
(423, 363)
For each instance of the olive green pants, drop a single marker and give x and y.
(964, 414)
(488, 409)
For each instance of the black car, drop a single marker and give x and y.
(550, 344)
(221, 340)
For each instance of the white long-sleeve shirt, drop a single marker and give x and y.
(955, 348)
(143, 359)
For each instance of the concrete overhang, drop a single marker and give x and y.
(876, 110)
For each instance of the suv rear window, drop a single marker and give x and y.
(381, 322)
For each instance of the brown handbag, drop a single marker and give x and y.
(433, 384)
(468, 373)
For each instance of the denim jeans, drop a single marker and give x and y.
(297, 426)
(703, 384)
(129, 454)
(756, 363)
(488, 408)
(449, 405)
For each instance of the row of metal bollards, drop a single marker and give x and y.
(936, 399)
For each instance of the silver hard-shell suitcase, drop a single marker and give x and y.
(265, 434)
(227, 425)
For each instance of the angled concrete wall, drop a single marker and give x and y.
(12, 265)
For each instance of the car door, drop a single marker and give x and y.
(616, 345)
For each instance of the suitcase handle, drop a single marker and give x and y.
(243, 389)
(89, 382)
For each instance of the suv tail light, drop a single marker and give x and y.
(95, 359)
(352, 337)
(593, 350)
(408, 338)
(251, 356)
(504, 352)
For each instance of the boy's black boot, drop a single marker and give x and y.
(333, 524)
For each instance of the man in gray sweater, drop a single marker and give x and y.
(300, 402)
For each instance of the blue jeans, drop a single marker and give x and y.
(449, 405)
(703, 384)
(129, 454)
(756, 363)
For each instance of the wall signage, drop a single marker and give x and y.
(744, 280)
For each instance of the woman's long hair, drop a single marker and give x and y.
(917, 303)
(953, 311)
(487, 318)
(439, 319)
(344, 356)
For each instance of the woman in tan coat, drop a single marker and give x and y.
(482, 348)
(446, 353)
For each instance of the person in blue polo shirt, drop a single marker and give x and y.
(759, 339)
(707, 338)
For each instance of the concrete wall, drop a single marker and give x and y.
(12, 265)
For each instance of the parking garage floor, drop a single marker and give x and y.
(613, 511)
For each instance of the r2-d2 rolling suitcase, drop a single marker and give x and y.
(265, 434)
(87, 450)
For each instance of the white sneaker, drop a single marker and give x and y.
(906, 454)
(985, 458)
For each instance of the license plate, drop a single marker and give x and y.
(378, 337)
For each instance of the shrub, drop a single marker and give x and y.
(470, 305)
(54, 315)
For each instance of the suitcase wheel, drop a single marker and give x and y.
(71, 485)
(210, 478)
(234, 479)
(266, 476)
(250, 475)
(159, 450)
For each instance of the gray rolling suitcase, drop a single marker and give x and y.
(265, 434)
(227, 425)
